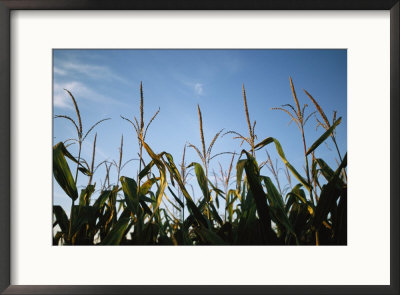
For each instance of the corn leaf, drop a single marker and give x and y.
(145, 187)
(99, 203)
(210, 237)
(72, 158)
(81, 216)
(326, 171)
(329, 195)
(239, 172)
(215, 215)
(252, 173)
(84, 198)
(146, 170)
(61, 218)
(176, 198)
(323, 137)
(283, 157)
(189, 201)
(163, 177)
(129, 187)
(116, 234)
(62, 173)
(201, 179)
(277, 206)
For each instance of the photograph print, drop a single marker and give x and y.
(199, 147)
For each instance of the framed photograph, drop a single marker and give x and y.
(175, 147)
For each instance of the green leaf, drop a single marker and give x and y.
(323, 136)
(81, 216)
(146, 199)
(189, 201)
(84, 198)
(283, 157)
(215, 215)
(146, 170)
(129, 187)
(329, 195)
(163, 175)
(84, 170)
(274, 196)
(201, 180)
(277, 206)
(99, 203)
(176, 198)
(69, 156)
(145, 187)
(210, 237)
(172, 204)
(298, 192)
(232, 196)
(341, 226)
(260, 198)
(61, 218)
(62, 173)
(116, 234)
(216, 190)
(327, 172)
(145, 207)
(239, 172)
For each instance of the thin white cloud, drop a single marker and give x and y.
(92, 71)
(61, 98)
(198, 88)
(59, 71)
(195, 87)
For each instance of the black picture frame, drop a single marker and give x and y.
(6, 6)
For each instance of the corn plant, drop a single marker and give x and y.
(250, 140)
(140, 129)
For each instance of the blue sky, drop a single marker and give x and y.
(106, 83)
